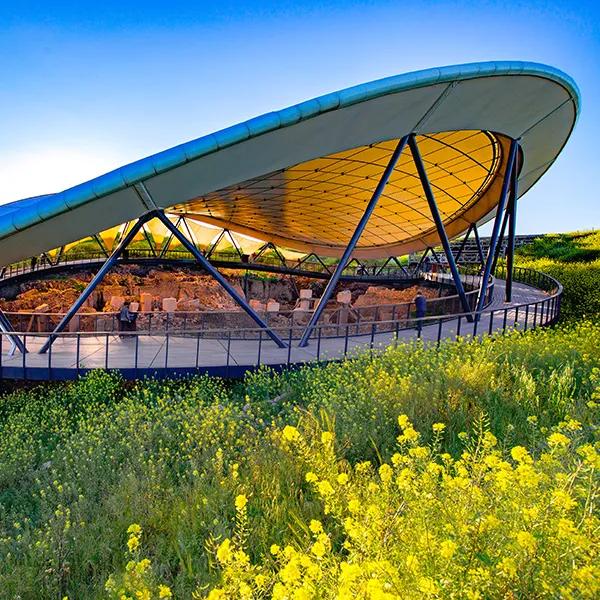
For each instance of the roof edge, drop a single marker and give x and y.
(49, 206)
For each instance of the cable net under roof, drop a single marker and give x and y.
(319, 202)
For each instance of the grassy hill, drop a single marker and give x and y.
(481, 477)
(465, 471)
(573, 259)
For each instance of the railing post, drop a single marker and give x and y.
(228, 353)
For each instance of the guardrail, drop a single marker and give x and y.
(230, 354)
(160, 322)
(73, 259)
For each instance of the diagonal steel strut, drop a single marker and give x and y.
(333, 281)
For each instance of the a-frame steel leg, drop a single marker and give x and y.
(479, 246)
(205, 263)
(510, 165)
(437, 258)
(6, 327)
(167, 244)
(439, 225)
(421, 261)
(501, 236)
(149, 240)
(512, 229)
(463, 244)
(101, 245)
(333, 281)
(217, 241)
(91, 286)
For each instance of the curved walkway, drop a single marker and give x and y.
(146, 354)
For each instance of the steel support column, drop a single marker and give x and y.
(501, 236)
(512, 229)
(479, 246)
(496, 229)
(6, 327)
(463, 244)
(165, 247)
(205, 263)
(91, 286)
(333, 281)
(421, 260)
(439, 224)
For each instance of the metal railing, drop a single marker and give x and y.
(43, 264)
(333, 320)
(135, 354)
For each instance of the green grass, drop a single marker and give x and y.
(574, 260)
(80, 462)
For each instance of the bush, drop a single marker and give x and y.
(81, 463)
(574, 260)
(488, 524)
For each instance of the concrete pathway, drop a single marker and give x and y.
(75, 352)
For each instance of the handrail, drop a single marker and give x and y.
(178, 321)
(230, 357)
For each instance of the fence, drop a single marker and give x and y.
(231, 353)
(212, 323)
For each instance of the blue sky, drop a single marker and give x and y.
(89, 86)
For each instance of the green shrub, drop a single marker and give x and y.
(81, 462)
(574, 260)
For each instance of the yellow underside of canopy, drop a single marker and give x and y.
(316, 205)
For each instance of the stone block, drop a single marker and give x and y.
(306, 294)
(344, 297)
(257, 305)
(116, 302)
(146, 301)
(169, 304)
(273, 306)
(304, 304)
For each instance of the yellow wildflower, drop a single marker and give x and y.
(447, 549)
(318, 549)
(325, 488)
(134, 528)
(291, 434)
(240, 502)
(326, 437)
(342, 478)
(311, 477)
(315, 526)
(133, 543)
(224, 552)
(558, 439)
(526, 541)
(164, 591)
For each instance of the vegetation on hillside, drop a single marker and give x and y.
(573, 259)
(470, 470)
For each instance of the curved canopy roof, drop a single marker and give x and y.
(301, 177)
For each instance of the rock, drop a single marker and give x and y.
(273, 306)
(169, 304)
(187, 305)
(344, 297)
(116, 302)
